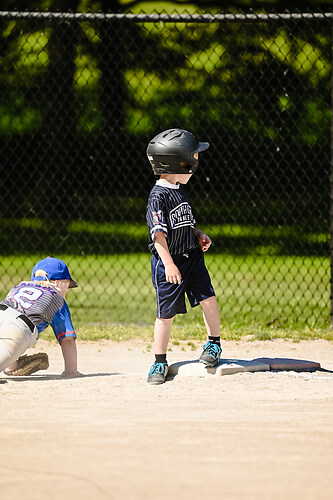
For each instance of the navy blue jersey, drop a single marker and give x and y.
(169, 211)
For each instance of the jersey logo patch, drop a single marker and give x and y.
(181, 216)
(157, 217)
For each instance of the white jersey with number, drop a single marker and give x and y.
(43, 305)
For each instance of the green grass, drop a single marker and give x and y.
(190, 333)
(260, 297)
(78, 236)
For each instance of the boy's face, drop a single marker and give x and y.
(183, 178)
(180, 178)
(62, 286)
(176, 178)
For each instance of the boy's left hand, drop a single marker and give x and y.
(204, 241)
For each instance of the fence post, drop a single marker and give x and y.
(331, 184)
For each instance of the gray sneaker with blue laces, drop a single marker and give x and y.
(157, 373)
(210, 355)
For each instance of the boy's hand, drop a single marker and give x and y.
(172, 274)
(204, 241)
(71, 374)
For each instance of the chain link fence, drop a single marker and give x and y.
(81, 95)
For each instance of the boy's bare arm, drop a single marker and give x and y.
(172, 273)
(68, 347)
(203, 238)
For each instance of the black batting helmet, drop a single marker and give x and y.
(175, 151)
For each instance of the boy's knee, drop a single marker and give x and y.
(209, 300)
(165, 320)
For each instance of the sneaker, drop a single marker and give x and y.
(210, 355)
(157, 373)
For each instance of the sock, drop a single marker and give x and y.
(160, 358)
(215, 340)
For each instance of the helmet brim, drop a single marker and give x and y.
(202, 147)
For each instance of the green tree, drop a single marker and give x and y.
(80, 85)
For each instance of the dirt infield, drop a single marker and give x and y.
(110, 435)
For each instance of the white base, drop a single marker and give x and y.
(225, 367)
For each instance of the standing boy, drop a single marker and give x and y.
(177, 247)
(27, 310)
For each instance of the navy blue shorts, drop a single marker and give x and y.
(195, 283)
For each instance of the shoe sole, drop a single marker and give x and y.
(210, 365)
(156, 382)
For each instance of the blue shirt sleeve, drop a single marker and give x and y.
(62, 324)
(41, 327)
